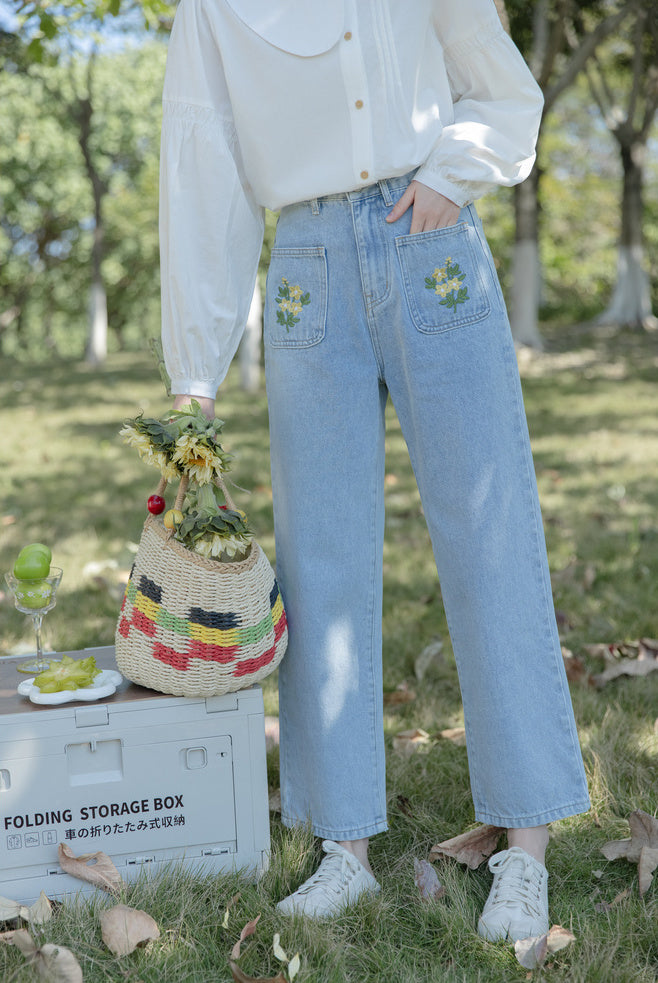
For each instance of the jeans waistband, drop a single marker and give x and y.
(386, 187)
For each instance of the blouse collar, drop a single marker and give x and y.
(301, 27)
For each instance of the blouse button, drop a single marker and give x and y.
(347, 35)
(363, 175)
(359, 103)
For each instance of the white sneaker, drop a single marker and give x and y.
(338, 882)
(517, 906)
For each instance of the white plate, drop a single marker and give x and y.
(104, 684)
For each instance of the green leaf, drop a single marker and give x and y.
(47, 25)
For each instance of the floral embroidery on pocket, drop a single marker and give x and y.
(446, 282)
(290, 301)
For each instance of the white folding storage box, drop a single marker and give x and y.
(144, 777)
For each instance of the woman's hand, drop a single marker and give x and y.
(431, 210)
(206, 404)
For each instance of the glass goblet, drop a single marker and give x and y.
(36, 598)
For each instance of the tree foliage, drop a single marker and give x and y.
(47, 222)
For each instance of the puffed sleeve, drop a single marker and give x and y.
(497, 105)
(211, 229)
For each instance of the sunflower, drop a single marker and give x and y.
(198, 458)
(142, 441)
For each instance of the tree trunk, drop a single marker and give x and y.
(249, 354)
(96, 352)
(526, 271)
(630, 304)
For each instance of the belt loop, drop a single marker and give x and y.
(385, 191)
(315, 208)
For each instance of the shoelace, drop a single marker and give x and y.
(328, 872)
(520, 882)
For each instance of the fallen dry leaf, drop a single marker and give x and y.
(641, 848)
(41, 911)
(96, 868)
(400, 695)
(408, 741)
(248, 930)
(637, 658)
(293, 967)
(22, 939)
(575, 668)
(53, 963)
(470, 848)
(234, 900)
(241, 977)
(645, 868)
(603, 906)
(124, 929)
(37, 914)
(626, 667)
(533, 952)
(455, 734)
(427, 882)
(277, 950)
(644, 832)
(431, 655)
(57, 964)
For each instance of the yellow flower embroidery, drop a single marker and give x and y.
(290, 301)
(447, 283)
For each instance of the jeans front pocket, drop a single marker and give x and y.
(442, 276)
(296, 300)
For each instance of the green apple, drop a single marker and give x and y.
(31, 566)
(37, 548)
(36, 594)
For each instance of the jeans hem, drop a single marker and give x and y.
(538, 819)
(355, 833)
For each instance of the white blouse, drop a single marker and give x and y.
(269, 102)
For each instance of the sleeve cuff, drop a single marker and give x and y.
(461, 192)
(194, 387)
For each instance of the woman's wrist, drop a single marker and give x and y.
(205, 402)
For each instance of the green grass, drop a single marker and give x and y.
(68, 481)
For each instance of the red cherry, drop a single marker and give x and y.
(156, 504)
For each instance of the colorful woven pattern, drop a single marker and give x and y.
(196, 627)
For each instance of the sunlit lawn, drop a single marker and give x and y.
(67, 480)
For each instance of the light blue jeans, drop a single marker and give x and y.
(358, 310)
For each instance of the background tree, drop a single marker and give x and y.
(624, 85)
(49, 213)
(43, 200)
(557, 37)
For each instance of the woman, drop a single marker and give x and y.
(372, 127)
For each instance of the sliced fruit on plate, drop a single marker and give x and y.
(69, 674)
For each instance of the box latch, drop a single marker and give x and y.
(220, 704)
(97, 716)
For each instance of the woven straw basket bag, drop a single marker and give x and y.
(196, 627)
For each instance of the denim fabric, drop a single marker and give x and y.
(354, 314)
